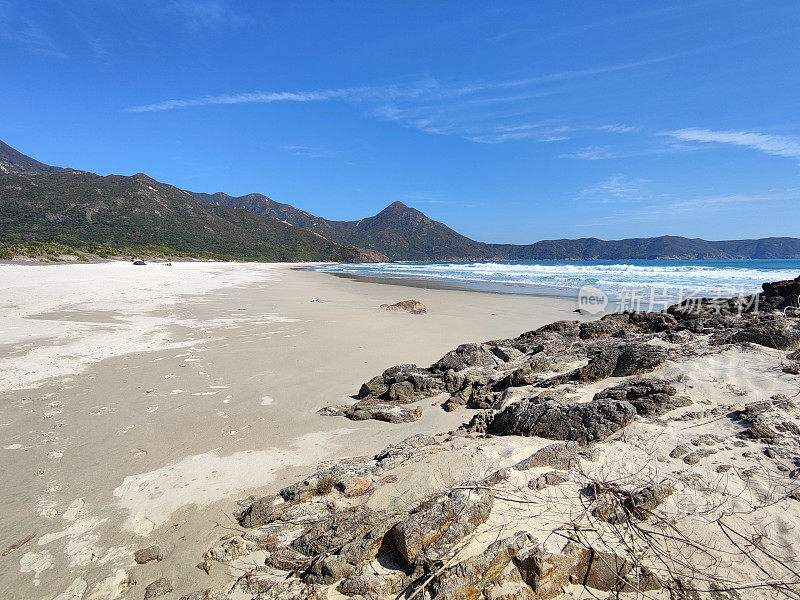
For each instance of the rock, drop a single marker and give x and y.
(695, 457)
(230, 549)
(650, 397)
(396, 454)
(371, 585)
(401, 392)
(467, 579)
(379, 411)
(355, 486)
(145, 555)
(723, 468)
(548, 479)
(328, 570)
(415, 307)
(562, 456)
(772, 332)
(159, 587)
(207, 594)
(337, 529)
(262, 511)
(435, 526)
(287, 559)
(465, 356)
(680, 450)
(374, 388)
(547, 573)
(556, 419)
(638, 358)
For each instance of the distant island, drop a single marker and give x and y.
(43, 205)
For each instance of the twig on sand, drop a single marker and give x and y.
(18, 545)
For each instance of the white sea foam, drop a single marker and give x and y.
(670, 277)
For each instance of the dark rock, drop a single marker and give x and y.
(466, 355)
(159, 587)
(650, 397)
(381, 411)
(559, 420)
(638, 358)
(773, 332)
(374, 388)
(145, 555)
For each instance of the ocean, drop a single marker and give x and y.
(641, 284)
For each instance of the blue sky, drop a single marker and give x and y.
(509, 121)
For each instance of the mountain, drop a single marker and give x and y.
(664, 247)
(12, 161)
(83, 209)
(399, 232)
(42, 203)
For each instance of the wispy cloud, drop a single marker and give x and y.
(20, 29)
(615, 189)
(768, 144)
(203, 14)
(353, 93)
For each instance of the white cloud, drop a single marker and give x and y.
(618, 188)
(768, 144)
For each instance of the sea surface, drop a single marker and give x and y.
(651, 284)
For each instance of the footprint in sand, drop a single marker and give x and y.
(222, 414)
(153, 408)
(125, 429)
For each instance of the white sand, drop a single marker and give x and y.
(59, 319)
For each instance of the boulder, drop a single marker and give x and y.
(465, 356)
(635, 359)
(381, 411)
(562, 455)
(431, 530)
(145, 555)
(159, 587)
(415, 307)
(556, 419)
(650, 397)
(467, 579)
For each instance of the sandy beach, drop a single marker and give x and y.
(138, 403)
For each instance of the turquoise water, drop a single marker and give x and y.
(673, 279)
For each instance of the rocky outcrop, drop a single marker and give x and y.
(650, 397)
(557, 419)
